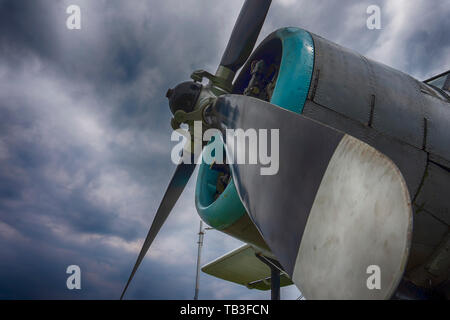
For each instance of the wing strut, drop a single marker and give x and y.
(275, 271)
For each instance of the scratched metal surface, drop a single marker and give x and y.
(410, 160)
(437, 113)
(342, 83)
(361, 217)
(346, 82)
(434, 196)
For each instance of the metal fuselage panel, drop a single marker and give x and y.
(399, 116)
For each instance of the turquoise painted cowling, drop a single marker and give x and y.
(290, 92)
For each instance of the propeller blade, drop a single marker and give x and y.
(245, 33)
(176, 186)
(336, 211)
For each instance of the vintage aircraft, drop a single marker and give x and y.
(363, 187)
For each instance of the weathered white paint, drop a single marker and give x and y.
(361, 216)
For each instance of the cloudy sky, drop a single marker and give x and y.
(85, 131)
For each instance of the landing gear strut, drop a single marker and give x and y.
(275, 272)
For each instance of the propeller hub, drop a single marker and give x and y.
(184, 96)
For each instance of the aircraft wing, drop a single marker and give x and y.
(241, 266)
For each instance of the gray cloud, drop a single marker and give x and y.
(85, 134)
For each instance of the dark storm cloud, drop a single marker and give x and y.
(25, 26)
(85, 135)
